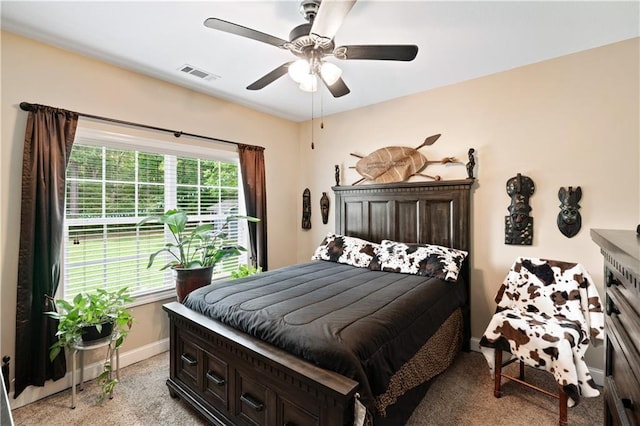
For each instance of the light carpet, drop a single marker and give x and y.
(463, 395)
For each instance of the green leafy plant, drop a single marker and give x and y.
(245, 271)
(199, 247)
(106, 381)
(93, 309)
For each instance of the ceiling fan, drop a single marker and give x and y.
(312, 42)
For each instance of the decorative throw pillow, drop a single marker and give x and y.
(418, 259)
(349, 250)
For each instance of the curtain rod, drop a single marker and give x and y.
(26, 106)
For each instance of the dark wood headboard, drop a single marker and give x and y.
(434, 212)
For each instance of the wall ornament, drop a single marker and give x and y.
(569, 218)
(518, 226)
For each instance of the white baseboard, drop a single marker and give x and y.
(34, 393)
(596, 373)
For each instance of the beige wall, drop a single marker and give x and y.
(38, 73)
(572, 121)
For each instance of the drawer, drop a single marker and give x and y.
(627, 285)
(294, 415)
(615, 412)
(216, 379)
(622, 386)
(251, 400)
(188, 362)
(626, 318)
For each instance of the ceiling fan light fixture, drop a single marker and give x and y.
(312, 42)
(309, 83)
(299, 70)
(330, 72)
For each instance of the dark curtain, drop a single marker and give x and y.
(255, 194)
(47, 145)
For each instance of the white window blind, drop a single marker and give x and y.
(111, 186)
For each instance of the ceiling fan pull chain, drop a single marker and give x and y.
(312, 145)
(321, 110)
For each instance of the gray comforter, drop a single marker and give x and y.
(360, 323)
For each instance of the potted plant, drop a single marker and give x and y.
(92, 316)
(194, 252)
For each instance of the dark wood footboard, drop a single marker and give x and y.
(233, 378)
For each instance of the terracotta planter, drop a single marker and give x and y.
(188, 280)
(91, 333)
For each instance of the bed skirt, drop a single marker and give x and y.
(433, 358)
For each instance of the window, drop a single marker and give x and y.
(113, 182)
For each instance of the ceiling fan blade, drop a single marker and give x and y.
(230, 27)
(391, 52)
(270, 77)
(330, 16)
(337, 89)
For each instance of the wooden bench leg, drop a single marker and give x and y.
(521, 370)
(562, 407)
(497, 373)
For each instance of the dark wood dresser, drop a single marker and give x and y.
(621, 251)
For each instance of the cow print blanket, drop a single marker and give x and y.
(548, 312)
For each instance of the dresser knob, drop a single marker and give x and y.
(251, 402)
(627, 403)
(211, 375)
(611, 308)
(189, 359)
(611, 279)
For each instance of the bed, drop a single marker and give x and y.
(236, 368)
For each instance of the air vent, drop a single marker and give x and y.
(201, 74)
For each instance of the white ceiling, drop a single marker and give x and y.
(457, 41)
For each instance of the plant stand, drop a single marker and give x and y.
(81, 347)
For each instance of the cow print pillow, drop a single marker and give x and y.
(418, 259)
(342, 249)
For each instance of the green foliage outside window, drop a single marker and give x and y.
(109, 190)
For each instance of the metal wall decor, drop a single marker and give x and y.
(518, 226)
(337, 174)
(569, 218)
(324, 207)
(306, 209)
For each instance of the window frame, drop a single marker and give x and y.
(211, 151)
